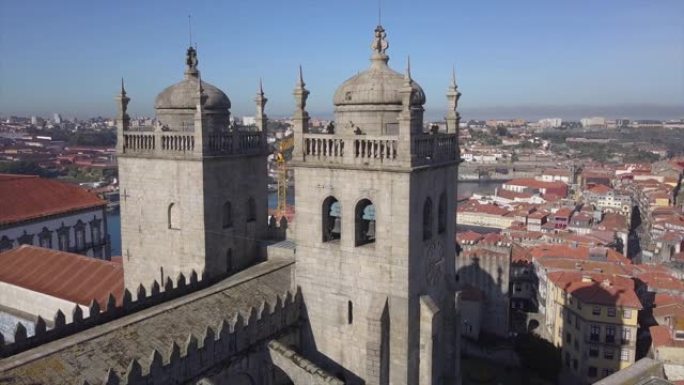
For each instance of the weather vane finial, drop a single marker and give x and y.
(379, 12)
(189, 30)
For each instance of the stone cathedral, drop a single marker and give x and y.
(362, 291)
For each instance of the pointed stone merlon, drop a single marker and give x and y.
(300, 117)
(260, 100)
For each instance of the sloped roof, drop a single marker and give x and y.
(25, 197)
(69, 276)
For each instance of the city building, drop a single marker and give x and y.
(595, 322)
(53, 215)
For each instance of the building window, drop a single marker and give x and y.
(63, 238)
(626, 335)
(610, 334)
(174, 216)
(427, 219)
(595, 333)
(95, 233)
(577, 322)
(593, 351)
(624, 355)
(332, 219)
(365, 222)
(627, 313)
(5, 243)
(79, 235)
(442, 214)
(350, 312)
(608, 353)
(596, 310)
(607, 372)
(591, 371)
(568, 337)
(45, 238)
(251, 210)
(227, 215)
(611, 312)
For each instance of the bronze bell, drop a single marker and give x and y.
(337, 226)
(371, 230)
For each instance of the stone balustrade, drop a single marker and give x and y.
(160, 143)
(384, 150)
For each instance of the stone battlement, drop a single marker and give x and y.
(101, 313)
(197, 355)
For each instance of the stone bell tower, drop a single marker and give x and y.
(374, 231)
(193, 191)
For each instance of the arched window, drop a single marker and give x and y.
(442, 214)
(251, 210)
(174, 217)
(227, 215)
(332, 219)
(365, 222)
(427, 219)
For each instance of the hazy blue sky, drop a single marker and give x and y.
(513, 58)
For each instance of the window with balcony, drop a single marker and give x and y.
(610, 334)
(625, 355)
(592, 371)
(626, 336)
(595, 333)
(593, 351)
(608, 353)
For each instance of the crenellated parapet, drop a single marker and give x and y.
(100, 313)
(197, 354)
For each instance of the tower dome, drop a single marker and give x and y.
(371, 101)
(182, 94)
(379, 84)
(176, 105)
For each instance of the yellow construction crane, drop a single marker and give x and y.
(284, 145)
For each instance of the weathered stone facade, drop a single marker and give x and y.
(381, 309)
(193, 196)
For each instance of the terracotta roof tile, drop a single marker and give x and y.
(63, 275)
(24, 197)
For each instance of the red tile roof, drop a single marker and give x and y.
(603, 289)
(660, 336)
(600, 189)
(63, 275)
(25, 197)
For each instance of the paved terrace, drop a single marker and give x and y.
(89, 354)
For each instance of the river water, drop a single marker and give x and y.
(464, 189)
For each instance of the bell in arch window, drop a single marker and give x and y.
(365, 222)
(332, 219)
